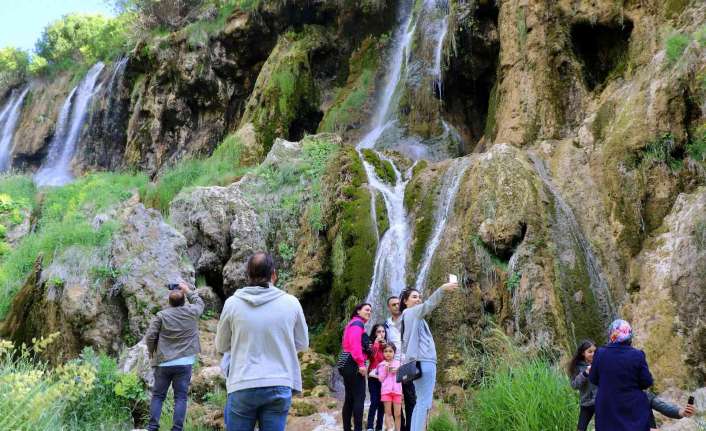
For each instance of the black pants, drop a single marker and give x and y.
(179, 377)
(585, 416)
(410, 399)
(376, 407)
(353, 404)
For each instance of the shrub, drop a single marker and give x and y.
(14, 64)
(444, 421)
(533, 396)
(675, 45)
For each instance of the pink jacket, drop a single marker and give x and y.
(389, 380)
(352, 344)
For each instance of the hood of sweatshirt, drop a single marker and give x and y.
(256, 295)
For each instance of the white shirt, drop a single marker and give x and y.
(395, 337)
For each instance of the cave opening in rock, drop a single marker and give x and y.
(305, 124)
(601, 48)
(471, 72)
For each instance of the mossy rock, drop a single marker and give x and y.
(285, 91)
(383, 168)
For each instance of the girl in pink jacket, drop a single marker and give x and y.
(391, 393)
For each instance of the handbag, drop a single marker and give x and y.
(409, 372)
(346, 365)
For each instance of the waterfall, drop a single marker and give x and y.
(449, 187)
(567, 221)
(56, 169)
(386, 132)
(8, 121)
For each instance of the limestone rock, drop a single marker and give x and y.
(147, 253)
(136, 360)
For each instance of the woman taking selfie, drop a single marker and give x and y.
(418, 345)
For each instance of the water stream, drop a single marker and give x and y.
(8, 122)
(56, 169)
(425, 20)
(570, 227)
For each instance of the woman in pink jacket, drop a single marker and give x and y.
(391, 390)
(353, 340)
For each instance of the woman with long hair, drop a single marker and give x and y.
(418, 345)
(354, 338)
(579, 368)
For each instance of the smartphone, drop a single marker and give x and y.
(453, 278)
(172, 286)
(691, 400)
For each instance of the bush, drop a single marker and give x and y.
(81, 40)
(444, 421)
(533, 396)
(14, 64)
(676, 45)
(33, 396)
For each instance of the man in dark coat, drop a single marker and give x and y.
(621, 374)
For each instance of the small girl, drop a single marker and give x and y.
(579, 368)
(391, 390)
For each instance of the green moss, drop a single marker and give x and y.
(285, 89)
(381, 212)
(490, 122)
(423, 224)
(675, 46)
(347, 109)
(383, 168)
(673, 8)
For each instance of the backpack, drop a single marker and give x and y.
(346, 365)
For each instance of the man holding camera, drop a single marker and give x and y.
(173, 342)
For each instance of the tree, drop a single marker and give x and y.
(13, 66)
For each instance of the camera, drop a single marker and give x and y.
(173, 286)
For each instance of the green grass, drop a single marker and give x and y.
(533, 396)
(221, 168)
(675, 46)
(64, 220)
(700, 36)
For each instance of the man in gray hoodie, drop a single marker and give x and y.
(263, 328)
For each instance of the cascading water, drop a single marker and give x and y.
(567, 220)
(114, 81)
(55, 170)
(428, 22)
(8, 121)
(449, 186)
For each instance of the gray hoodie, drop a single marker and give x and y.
(263, 329)
(580, 382)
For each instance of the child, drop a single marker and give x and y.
(391, 390)
(579, 368)
(379, 335)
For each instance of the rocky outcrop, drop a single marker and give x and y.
(146, 253)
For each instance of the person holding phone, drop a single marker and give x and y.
(418, 345)
(668, 409)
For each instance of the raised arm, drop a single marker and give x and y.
(195, 302)
(580, 379)
(427, 306)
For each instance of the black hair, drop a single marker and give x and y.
(358, 307)
(373, 335)
(578, 356)
(404, 296)
(392, 346)
(391, 298)
(260, 268)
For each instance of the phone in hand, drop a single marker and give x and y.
(173, 286)
(453, 278)
(691, 400)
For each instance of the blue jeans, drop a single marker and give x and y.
(268, 407)
(376, 407)
(178, 377)
(424, 388)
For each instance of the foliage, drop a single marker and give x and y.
(696, 147)
(78, 40)
(33, 396)
(444, 421)
(66, 213)
(103, 407)
(660, 150)
(513, 281)
(14, 64)
(533, 396)
(159, 14)
(676, 43)
(700, 36)
(221, 168)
